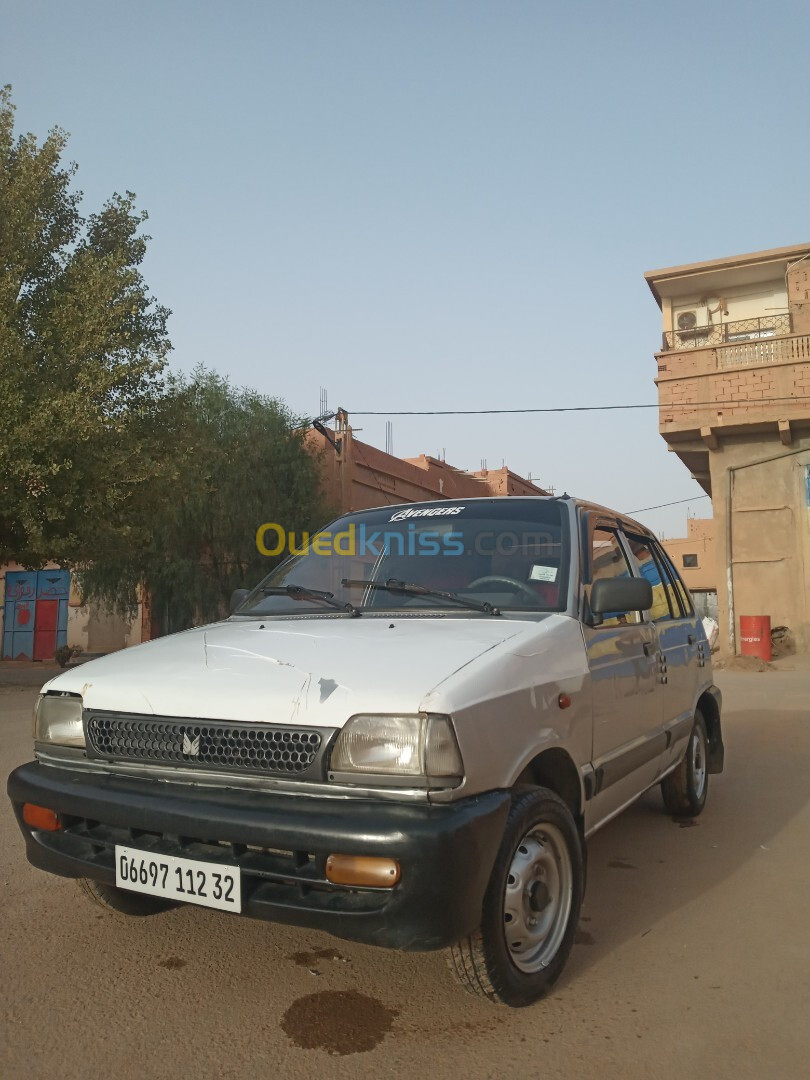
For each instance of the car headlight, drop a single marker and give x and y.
(417, 746)
(58, 719)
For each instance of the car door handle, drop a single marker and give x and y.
(691, 639)
(647, 646)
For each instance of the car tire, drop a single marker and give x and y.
(121, 901)
(531, 906)
(685, 789)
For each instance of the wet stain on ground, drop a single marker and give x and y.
(338, 1021)
(687, 823)
(621, 864)
(308, 958)
(172, 962)
(582, 937)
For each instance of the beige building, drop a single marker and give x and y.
(695, 556)
(734, 405)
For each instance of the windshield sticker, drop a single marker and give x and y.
(543, 573)
(433, 511)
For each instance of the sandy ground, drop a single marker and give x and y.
(693, 954)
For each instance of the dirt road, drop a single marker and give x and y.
(693, 955)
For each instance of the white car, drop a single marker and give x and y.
(403, 736)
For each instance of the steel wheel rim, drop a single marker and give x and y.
(697, 750)
(537, 898)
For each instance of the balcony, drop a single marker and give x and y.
(733, 385)
(743, 330)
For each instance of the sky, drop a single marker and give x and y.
(435, 205)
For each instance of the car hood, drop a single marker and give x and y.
(317, 671)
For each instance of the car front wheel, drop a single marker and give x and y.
(531, 906)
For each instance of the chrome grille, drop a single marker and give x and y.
(256, 748)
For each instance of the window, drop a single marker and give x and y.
(665, 600)
(690, 560)
(687, 608)
(608, 560)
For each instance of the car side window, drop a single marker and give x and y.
(608, 560)
(687, 608)
(665, 600)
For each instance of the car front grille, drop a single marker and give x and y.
(253, 748)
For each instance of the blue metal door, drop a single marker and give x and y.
(23, 589)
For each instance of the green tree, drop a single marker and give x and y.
(237, 459)
(82, 351)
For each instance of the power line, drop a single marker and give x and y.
(574, 408)
(675, 502)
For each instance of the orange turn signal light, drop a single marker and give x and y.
(40, 817)
(369, 870)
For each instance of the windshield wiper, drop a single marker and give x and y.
(316, 596)
(411, 589)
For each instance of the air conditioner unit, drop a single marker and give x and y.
(687, 320)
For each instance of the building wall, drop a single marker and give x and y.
(700, 542)
(741, 302)
(767, 554)
(740, 381)
(798, 285)
(357, 476)
(95, 630)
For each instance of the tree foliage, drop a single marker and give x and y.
(134, 479)
(82, 351)
(236, 459)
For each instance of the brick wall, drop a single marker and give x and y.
(739, 379)
(358, 476)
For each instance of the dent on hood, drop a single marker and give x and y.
(236, 650)
(326, 686)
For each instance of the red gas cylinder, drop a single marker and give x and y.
(755, 636)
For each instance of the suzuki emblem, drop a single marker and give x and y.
(191, 747)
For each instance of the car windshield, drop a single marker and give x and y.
(481, 557)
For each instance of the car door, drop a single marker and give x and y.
(626, 690)
(681, 643)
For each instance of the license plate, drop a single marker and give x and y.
(214, 885)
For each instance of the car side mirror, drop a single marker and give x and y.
(238, 597)
(619, 595)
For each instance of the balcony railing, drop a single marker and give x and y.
(752, 353)
(702, 337)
